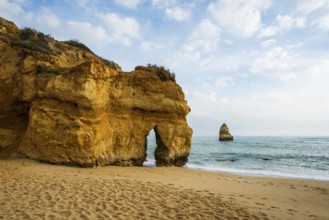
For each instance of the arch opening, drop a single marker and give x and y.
(150, 146)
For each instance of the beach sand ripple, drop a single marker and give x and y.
(25, 195)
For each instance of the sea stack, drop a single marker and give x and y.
(224, 133)
(62, 104)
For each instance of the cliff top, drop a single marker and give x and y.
(42, 45)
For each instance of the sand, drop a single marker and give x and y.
(32, 190)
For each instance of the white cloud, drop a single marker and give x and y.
(268, 43)
(241, 18)
(123, 29)
(87, 33)
(178, 14)
(317, 11)
(163, 3)
(128, 3)
(318, 68)
(275, 62)
(215, 82)
(323, 22)
(228, 42)
(46, 17)
(268, 31)
(88, 5)
(223, 81)
(151, 46)
(283, 23)
(10, 9)
(204, 39)
(307, 6)
(300, 22)
(184, 59)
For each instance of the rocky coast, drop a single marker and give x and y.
(62, 104)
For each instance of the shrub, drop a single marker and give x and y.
(112, 64)
(76, 43)
(163, 73)
(28, 34)
(33, 40)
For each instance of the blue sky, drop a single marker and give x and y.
(261, 66)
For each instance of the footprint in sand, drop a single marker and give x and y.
(292, 187)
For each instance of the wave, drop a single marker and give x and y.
(265, 173)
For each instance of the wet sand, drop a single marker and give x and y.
(32, 190)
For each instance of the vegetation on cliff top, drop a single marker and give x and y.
(78, 44)
(33, 40)
(163, 73)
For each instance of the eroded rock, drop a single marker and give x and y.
(73, 107)
(224, 133)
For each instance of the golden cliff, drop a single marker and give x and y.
(62, 104)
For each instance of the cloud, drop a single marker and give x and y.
(151, 46)
(10, 9)
(317, 11)
(241, 18)
(88, 33)
(123, 29)
(268, 43)
(307, 6)
(128, 3)
(46, 17)
(283, 23)
(317, 69)
(163, 3)
(88, 5)
(185, 59)
(217, 82)
(178, 14)
(203, 39)
(323, 22)
(276, 62)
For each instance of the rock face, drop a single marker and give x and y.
(224, 133)
(62, 104)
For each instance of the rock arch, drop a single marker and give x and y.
(86, 111)
(169, 153)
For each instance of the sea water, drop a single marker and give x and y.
(292, 157)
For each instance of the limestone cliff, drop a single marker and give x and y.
(62, 104)
(224, 133)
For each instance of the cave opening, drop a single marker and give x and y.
(13, 125)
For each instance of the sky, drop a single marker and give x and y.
(260, 66)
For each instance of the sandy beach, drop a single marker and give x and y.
(32, 190)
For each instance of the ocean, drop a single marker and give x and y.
(290, 157)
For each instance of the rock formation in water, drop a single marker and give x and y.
(224, 133)
(62, 104)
